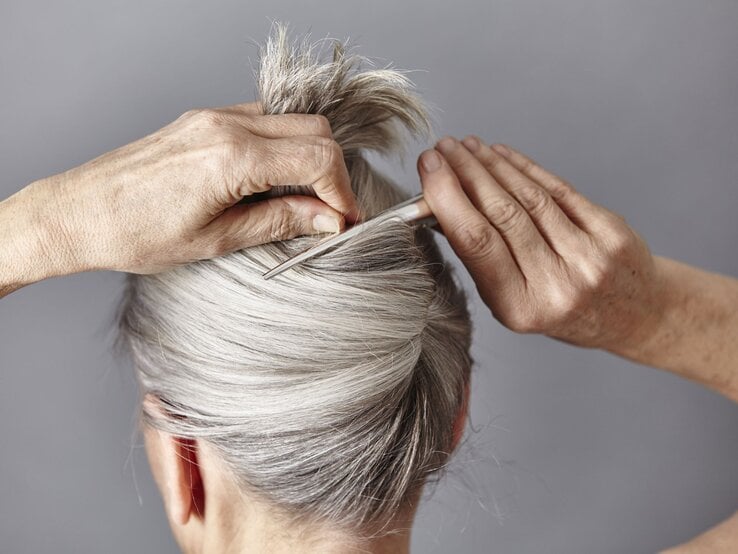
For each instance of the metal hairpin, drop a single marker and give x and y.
(415, 210)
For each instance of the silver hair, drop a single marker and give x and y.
(331, 390)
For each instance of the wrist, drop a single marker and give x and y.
(33, 243)
(19, 259)
(695, 336)
(650, 315)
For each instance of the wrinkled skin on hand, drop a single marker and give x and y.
(173, 197)
(544, 258)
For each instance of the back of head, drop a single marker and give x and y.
(332, 389)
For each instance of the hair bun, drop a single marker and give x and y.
(363, 106)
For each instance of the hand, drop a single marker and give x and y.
(172, 197)
(544, 258)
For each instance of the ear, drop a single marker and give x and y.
(460, 422)
(174, 464)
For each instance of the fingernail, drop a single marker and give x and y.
(325, 224)
(447, 144)
(501, 149)
(431, 160)
(472, 143)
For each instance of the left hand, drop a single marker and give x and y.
(544, 258)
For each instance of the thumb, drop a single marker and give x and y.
(278, 218)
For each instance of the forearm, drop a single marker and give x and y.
(696, 335)
(32, 246)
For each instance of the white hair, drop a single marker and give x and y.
(331, 390)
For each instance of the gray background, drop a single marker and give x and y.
(576, 451)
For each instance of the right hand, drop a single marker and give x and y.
(172, 197)
(544, 258)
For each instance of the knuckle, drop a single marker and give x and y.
(194, 113)
(506, 214)
(560, 190)
(320, 125)
(464, 162)
(534, 199)
(282, 224)
(475, 240)
(596, 274)
(616, 220)
(620, 217)
(249, 165)
(240, 164)
(213, 126)
(486, 158)
(189, 114)
(206, 117)
(620, 241)
(326, 152)
(526, 166)
(565, 307)
(491, 160)
(557, 307)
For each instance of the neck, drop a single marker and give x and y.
(257, 543)
(253, 528)
(230, 520)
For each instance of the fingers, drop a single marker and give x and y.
(514, 224)
(477, 243)
(576, 206)
(559, 231)
(313, 160)
(278, 218)
(264, 151)
(285, 125)
(250, 118)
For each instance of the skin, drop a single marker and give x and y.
(208, 514)
(547, 260)
(172, 197)
(544, 259)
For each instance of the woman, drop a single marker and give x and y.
(330, 393)
(305, 413)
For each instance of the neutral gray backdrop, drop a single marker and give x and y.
(635, 102)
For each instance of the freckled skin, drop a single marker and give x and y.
(172, 197)
(547, 260)
(544, 258)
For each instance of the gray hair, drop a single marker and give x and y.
(332, 389)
